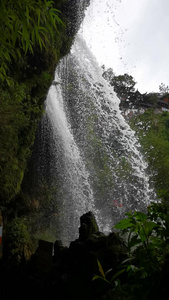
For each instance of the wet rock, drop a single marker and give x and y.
(88, 226)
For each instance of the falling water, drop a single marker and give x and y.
(95, 162)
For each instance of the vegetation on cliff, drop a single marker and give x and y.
(25, 77)
(24, 26)
(34, 35)
(153, 132)
(33, 38)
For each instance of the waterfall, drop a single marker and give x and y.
(90, 155)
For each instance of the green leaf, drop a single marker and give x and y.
(27, 14)
(100, 277)
(41, 29)
(127, 260)
(30, 48)
(149, 226)
(140, 216)
(129, 214)
(143, 235)
(39, 15)
(137, 227)
(124, 224)
(96, 277)
(134, 241)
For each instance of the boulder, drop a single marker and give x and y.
(88, 226)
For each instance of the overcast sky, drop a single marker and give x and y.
(131, 36)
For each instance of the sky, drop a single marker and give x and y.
(131, 36)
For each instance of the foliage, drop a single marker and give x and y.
(29, 66)
(25, 25)
(153, 99)
(124, 85)
(108, 74)
(103, 275)
(19, 115)
(18, 242)
(147, 235)
(125, 81)
(163, 89)
(148, 245)
(152, 130)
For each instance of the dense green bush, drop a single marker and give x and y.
(141, 275)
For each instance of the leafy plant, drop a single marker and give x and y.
(103, 274)
(25, 25)
(140, 229)
(147, 239)
(148, 244)
(113, 282)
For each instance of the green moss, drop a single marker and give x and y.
(18, 241)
